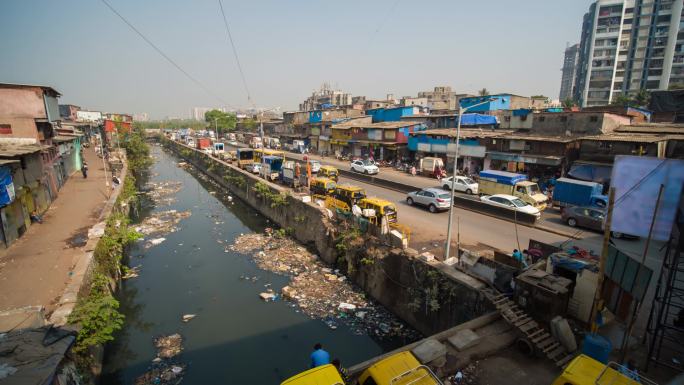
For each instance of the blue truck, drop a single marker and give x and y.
(572, 192)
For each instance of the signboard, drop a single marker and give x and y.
(474, 151)
(424, 147)
(636, 180)
(5, 129)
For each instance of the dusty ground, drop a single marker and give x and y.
(34, 270)
(510, 367)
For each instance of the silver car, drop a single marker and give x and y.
(433, 198)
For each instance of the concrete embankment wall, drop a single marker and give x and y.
(429, 296)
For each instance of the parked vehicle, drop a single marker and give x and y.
(508, 183)
(261, 152)
(231, 136)
(203, 143)
(584, 370)
(322, 186)
(571, 192)
(270, 167)
(364, 166)
(463, 184)
(287, 174)
(432, 198)
(589, 217)
(315, 166)
(320, 375)
(245, 157)
(329, 172)
(511, 202)
(297, 146)
(219, 148)
(254, 168)
(400, 368)
(272, 143)
(429, 166)
(255, 142)
(380, 209)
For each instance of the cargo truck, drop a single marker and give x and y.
(203, 143)
(287, 174)
(270, 167)
(502, 182)
(571, 192)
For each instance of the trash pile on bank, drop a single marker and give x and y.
(163, 371)
(163, 193)
(319, 292)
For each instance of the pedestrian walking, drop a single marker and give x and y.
(84, 170)
(319, 356)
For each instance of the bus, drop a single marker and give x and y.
(260, 152)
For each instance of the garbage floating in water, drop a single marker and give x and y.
(162, 192)
(188, 317)
(132, 272)
(319, 291)
(169, 346)
(154, 242)
(162, 374)
(162, 222)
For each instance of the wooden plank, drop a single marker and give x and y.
(564, 361)
(529, 326)
(544, 336)
(535, 333)
(545, 342)
(556, 353)
(553, 346)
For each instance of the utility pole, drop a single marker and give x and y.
(598, 301)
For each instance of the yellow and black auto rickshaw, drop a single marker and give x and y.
(322, 187)
(382, 208)
(345, 196)
(329, 172)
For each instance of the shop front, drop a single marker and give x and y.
(537, 167)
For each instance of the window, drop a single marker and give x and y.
(542, 118)
(507, 118)
(390, 134)
(563, 118)
(520, 189)
(593, 118)
(605, 145)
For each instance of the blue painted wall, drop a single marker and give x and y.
(315, 116)
(415, 139)
(389, 114)
(502, 102)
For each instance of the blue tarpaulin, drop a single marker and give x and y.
(478, 120)
(591, 172)
(522, 112)
(6, 186)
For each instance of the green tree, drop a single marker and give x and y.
(483, 92)
(250, 124)
(569, 103)
(675, 86)
(621, 100)
(224, 121)
(642, 98)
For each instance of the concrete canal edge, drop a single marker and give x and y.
(428, 295)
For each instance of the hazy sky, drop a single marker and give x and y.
(287, 49)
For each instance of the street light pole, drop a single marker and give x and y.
(461, 111)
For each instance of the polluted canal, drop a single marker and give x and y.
(203, 298)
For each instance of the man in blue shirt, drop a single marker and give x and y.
(319, 356)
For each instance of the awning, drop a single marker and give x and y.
(592, 172)
(337, 141)
(526, 158)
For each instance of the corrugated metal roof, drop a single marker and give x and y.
(348, 125)
(4, 162)
(465, 133)
(636, 138)
(9, 150)
(63, 138)
(653, 128)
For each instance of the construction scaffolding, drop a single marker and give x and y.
(666, 321)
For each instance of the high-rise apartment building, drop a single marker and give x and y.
(197, 113)
(569, 72)
(629, 45)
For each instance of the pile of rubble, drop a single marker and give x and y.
(162, 193)
(464, 376)
(319, 292)
(163, 371)
(162, 222)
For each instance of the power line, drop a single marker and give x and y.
(165, 56)
(232, 45)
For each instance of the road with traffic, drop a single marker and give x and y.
(473, 230)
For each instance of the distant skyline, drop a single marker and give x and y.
(287, 49)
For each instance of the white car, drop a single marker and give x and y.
(364, 166)
(255, 168)
(511, 202)
(315, 165)
(463, 184)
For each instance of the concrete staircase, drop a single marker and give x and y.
(533, 332)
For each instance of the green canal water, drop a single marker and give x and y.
(236, 338)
